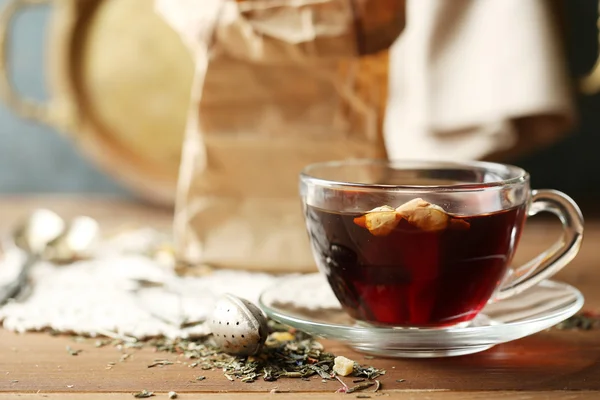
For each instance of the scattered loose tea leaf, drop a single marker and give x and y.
(363, 396)
(160, 362)
(358, 380)
(361, 386)
(273, 391)
(299, 356)
(400, 380)
(144, 394)
(200, 378)
(102, 343)
(377, 386)
(72, 351)
(367, 372)
(584, 321)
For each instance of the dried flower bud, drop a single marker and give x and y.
(379, 221)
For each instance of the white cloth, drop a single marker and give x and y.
(109, 294)
(465, 71)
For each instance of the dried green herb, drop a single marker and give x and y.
(359, 387)
(272, 391)
(73, 352)
(160, 362)
(377, 385)
(144, 394)
(102, 343)
(584, 321)
(300, 358)
(367, 372)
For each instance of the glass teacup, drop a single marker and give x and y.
(427, 244)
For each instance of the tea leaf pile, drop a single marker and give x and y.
(300, 358)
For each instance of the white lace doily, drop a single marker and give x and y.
(121, 291)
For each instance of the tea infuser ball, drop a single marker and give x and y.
(238, 326)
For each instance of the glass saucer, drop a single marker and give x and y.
(306, 302)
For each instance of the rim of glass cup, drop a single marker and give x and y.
(517, 175)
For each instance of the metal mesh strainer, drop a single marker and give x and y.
(238, 326)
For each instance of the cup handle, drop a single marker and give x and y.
(55, 113)
(559, 254)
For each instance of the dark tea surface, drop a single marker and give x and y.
(411, 276)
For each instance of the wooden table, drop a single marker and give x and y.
(550, 365)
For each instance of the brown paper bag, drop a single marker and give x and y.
(280, 84)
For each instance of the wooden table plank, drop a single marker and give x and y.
(546, 363)
(390, 395)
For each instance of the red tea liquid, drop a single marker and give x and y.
(413, 277)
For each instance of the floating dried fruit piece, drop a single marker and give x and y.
(429, 217)
(422, 214)
(361, 221)
(379, 221)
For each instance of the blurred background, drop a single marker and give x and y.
(37, 158)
